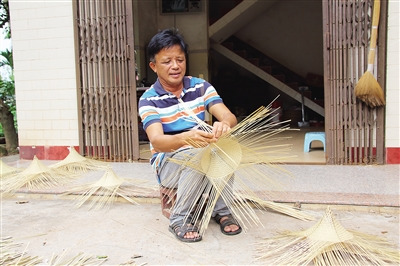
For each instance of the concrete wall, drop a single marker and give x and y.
(45, 76)
(392, 132)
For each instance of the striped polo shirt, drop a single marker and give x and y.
(157, 105)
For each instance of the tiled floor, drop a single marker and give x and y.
(296, 154)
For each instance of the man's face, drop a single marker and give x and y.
(170, 67)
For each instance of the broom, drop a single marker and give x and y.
(367, 88)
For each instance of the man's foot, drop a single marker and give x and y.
(186, 232)
(228, 224)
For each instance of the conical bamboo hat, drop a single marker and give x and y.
(237, 167)
(221, 159)
(327, 243)
(76, 163)
(6, 170)
(37, 176)
(106, 190)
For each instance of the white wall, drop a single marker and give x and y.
(44, 68)
(392, 76)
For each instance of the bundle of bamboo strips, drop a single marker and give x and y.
(80, 259)
(283, 208)
(9, 255)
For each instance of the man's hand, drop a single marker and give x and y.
(200, 137)
(220, 128)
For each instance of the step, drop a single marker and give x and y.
(242, 53)
(254, 61)
(267, 69)
(279, 77)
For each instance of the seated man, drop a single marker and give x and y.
(169, 128)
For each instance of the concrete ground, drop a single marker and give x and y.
(138, 234)
(362, 198)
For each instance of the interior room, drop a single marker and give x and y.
(253, 55)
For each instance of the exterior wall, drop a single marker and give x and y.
(45, 77)
(392, 132)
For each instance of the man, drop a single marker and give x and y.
(169, 127)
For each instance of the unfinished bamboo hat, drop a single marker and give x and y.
(6, 170)
(327, 243)
(222, 158)
(237, 167)
(76, 163)
(107, 189)
(37, 176)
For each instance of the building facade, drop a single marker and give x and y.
(48, 74)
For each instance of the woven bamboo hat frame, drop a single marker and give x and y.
(6, 170)
(327, 243)
(107, 189)
(238, 167)
(76, 163)
(37, 176)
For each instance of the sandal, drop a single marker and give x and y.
(229, 221)
(180, 230)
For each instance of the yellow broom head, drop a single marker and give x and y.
(369, 91)
(76, 163)
(108, 189)
(37, 176)
(327, 243)
(6, 170)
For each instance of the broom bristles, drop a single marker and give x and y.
(369, 91)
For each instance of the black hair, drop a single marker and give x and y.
(165, 39)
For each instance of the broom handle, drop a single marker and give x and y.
(374, 35)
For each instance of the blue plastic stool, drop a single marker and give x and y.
(310, 137)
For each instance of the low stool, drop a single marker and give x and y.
(168, 198)
(312, 136)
